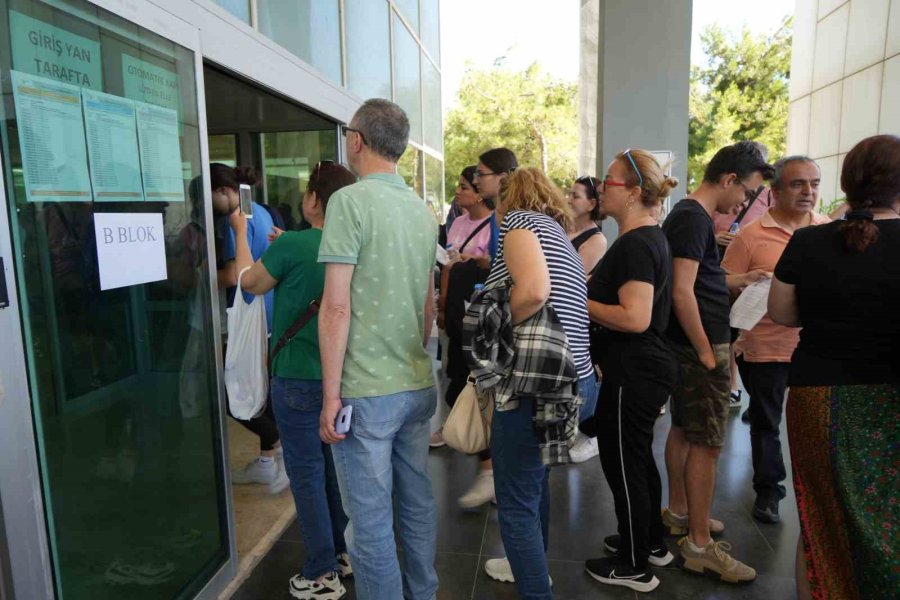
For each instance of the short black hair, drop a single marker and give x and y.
(500, 160)
(743, 159)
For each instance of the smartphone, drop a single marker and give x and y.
(342, 423)
(246, 193)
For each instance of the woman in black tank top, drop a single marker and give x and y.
(586, 236)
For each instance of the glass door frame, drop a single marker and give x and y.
(26, 547)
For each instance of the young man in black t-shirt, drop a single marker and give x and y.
(699, 336)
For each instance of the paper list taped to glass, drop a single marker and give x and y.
(751, 306)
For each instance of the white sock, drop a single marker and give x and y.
(693, 546)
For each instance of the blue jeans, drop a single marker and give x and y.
(521, 482)
(310, 468)
(589, 390)
(382, 464)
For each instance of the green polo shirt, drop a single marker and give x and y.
(291, 259)
(382, 227)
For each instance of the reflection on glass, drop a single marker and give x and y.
(289, 158)
(434, 128)
(410, 168)
(239, 8)
(410, 11)
(431, 28)
(407, 92)
(434, 186)
(123, 381)
(223, 149)
(368, 48)
(309, 29)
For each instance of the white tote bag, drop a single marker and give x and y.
(246, 370)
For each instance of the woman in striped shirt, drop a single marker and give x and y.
(536, 253)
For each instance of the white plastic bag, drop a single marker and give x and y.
(246, 372)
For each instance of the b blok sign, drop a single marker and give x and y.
(130, 249)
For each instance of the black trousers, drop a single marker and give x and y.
(455, 386)
(625, 416)
(766, 382)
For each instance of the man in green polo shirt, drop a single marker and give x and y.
(378, 246)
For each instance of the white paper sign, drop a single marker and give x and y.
(130, 248)
(751, 306)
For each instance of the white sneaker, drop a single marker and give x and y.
(584, 448)
(499, 569)
(331, 588)
(256, 471)
(437, 439)
(345, 569)
(481, 492)
(281, 479)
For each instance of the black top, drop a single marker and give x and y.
(692, 235)
(849, 305)
(579, 240)
(642, 254)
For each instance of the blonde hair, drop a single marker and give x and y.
(529, 189)
(656, 186)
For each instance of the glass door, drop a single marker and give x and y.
(102, 171)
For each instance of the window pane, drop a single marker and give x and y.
(239, 8)
(290, 157)
(431, 28)
(124, 385)
(368, 48)
(407, 79)
(434, 130)
(308, 28)
(410, 168)
(223, 149)
(434, 184)
(410, 11)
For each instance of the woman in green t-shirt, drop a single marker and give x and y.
(291, 267)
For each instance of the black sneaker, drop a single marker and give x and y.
(613, 571)
(659, 555)
(734, 399)
(766, 512)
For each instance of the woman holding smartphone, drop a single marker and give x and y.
(290, 266)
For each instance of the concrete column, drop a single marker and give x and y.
(637, 70)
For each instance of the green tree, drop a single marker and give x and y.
(740, 94)
(528, 112)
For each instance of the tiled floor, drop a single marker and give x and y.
(582, 514)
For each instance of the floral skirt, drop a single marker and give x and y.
(845, 450)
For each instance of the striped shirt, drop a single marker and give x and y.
(568, 290)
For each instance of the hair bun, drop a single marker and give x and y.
(246, 175)
(665, 188)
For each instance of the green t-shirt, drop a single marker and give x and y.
(382, 227)
(291, 259)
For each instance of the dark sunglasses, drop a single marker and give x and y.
(345, 129)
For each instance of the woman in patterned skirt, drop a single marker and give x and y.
(841, 282)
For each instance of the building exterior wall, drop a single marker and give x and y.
(637, 96)
(845, 80)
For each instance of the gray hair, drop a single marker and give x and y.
(780, 165)
(384, 126)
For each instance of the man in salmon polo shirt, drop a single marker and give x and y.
(764, 352)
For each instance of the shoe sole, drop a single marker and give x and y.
(441, 445)
(502, 578)
(634, 585)
(767, 519)
(678, 531)
(474, 505)
(297, 595)
(696, 565)
(653, 560)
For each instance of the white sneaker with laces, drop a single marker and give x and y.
(585, 448)
(256, 471)
(481, 492)
(330, 588)
(499, 569)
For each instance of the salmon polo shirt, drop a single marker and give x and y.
(759, 246)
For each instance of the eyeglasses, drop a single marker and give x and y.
(478, 175)
(607, 182)
(627, 153)
(313, 183)
(750, 195)
(345, 129)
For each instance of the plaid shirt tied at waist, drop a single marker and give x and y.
(528, 360)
